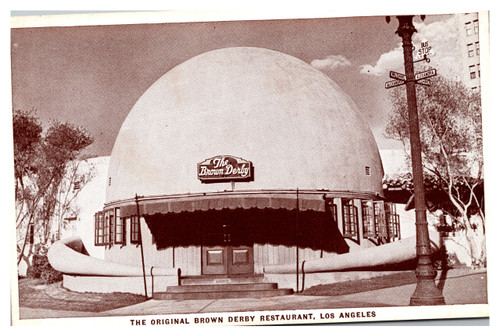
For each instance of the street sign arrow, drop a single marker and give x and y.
(425, 74)
(397, 75)
(394, 83)
(425, 82)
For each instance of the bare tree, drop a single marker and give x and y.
(452, 149)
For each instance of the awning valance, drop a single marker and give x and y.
(314, 202)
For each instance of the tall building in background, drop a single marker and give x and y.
(470, 44)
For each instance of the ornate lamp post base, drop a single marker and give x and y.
(426, 293)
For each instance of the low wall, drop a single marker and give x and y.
(322, 278)
(120, 284)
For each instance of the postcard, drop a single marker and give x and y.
(241, 168)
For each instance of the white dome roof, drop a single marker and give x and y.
(294, 123)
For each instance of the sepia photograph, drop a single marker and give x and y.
(212, 168)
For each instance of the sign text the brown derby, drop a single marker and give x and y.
(223, 168)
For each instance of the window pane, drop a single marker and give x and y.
(472, 71)
(470, 49)
(350, 218)
(134, 230)
(368, 222)
(468, 28)
(119, 228)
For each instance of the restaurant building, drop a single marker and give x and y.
(240, 159)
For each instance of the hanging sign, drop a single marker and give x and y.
(225, 168)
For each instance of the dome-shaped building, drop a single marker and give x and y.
(238, 156)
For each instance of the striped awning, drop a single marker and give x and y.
(314, 202)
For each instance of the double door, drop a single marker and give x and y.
(227, 250)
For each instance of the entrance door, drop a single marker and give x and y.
(226, 250)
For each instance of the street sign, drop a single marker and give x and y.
(397, 75)
(425, 82)
(425, 50)
(425, 74)
(394, 83)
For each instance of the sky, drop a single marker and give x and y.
(93, 75)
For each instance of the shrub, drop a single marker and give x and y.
(41, 269)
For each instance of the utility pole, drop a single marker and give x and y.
(142, 249)
(426, 292)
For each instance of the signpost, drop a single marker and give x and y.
(426, 291)
(400, 79)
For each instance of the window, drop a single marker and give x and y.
(476, 26)
(468, 28)
(120, 233)
(350, 218)
(100, 231)
(478, 70)
(380, 220)
(472, 71)
(393, 225)
(367, 217)
(470, 49)
(134, 230)
(368, 171)
(333, 209)
(107, 229)
(111, 227)
(96, 229)
(477, 48)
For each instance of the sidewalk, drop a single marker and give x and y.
(460, 287)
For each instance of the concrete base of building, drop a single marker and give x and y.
(321, 278)
(135, 284)
(118, 284)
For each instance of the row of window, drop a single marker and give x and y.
(111, 229)
(379, 219)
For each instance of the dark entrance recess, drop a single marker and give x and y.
(227, 248)
(233, 229)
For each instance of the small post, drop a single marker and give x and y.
(142, 249)
(297, 239)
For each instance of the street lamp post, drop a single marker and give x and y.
(426, 292)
